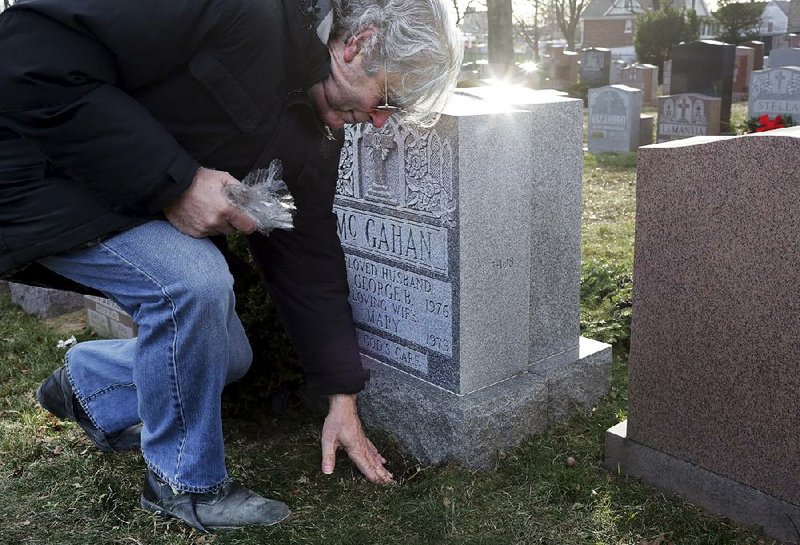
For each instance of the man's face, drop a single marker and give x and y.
(348, 94)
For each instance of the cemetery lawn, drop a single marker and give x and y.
(56, 489)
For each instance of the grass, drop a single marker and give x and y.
(56, 489)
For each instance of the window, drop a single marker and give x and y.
(628, 26)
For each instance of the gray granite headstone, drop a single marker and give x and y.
(775, 91)
(615, 77)
(462, 246)
(705, 67)
(789, 56)
(44, 302)
(595, 67)
(714, 382)
(684, 116)
(614, 117)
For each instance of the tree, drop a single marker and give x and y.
(532, 30)
(740, 20)
(658, 30)
(501, 35)
(568, 15)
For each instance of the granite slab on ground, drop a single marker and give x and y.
(44, 302)
(438, 426)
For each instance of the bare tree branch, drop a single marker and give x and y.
(568, 13)
(469, 4)
(531, 39)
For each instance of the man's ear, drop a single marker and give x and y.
(353, 45)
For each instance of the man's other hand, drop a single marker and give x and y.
(203, 210)
(343, 429)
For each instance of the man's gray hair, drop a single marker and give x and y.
(417, 40)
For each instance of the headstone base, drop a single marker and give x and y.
(746, 505)
(43, 302)
(439, 426)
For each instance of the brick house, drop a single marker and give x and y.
(610, 23)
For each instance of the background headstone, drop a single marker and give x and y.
(705, 67)
(563, 68)
(741, 74)
(44, 302)
(714, 387)
(684, 116)
(108, 319)
(462, 246)
(789, 56)
(595, 67)
(643, 77)
(758, 55)
(646, 130)
(614, 117)
(775, 91)
(615, 77)
(667, 77)
(783, 41)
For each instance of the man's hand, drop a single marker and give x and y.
(342, 428)
(203, 210)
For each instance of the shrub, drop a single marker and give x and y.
(606, 301)
(275, 373)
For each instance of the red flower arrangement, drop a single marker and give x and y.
(767, 124)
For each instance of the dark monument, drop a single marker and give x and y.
(705, 67)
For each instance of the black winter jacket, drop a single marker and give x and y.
(107, 109)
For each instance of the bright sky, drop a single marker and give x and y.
(524, 9)
(521, 7)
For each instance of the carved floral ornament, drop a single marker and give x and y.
(777, 81)
(424, 163)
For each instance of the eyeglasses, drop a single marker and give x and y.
(386, 107)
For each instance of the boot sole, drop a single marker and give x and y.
(159, 511)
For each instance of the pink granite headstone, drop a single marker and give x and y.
(714, 367)
(758, 56)
(745, 58)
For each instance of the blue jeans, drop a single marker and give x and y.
(190, 344)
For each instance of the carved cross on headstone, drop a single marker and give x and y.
(684, 105)
(780, 77)
(605, 101)
(379, 144)
(669, 114)
(698, 112)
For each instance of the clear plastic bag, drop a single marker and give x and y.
(265, 197)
